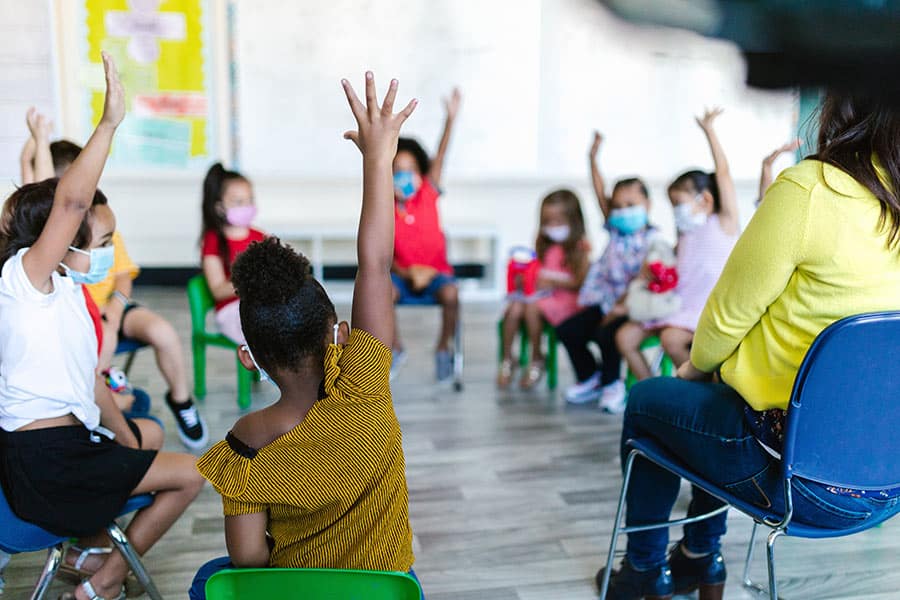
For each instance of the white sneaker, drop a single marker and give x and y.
(584, 392)
(612, 398)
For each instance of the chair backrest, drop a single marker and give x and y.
(18, 536)
(200, 300)
(311, 584)
(844, 415)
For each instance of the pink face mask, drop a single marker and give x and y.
(241, 216)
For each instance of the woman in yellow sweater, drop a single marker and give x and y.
(318, 478)
(824, 244)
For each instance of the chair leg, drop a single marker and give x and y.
(129, 361)
(770, 561)
(748, 583)
(244, 381)
(199, 352)
(617, 525)
(458, 358)
(134, 561)
(552, 359)
(54, 558)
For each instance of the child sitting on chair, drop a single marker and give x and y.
(421, 273)
(318, 478)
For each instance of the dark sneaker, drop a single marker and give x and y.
(706, 573)
(191, 427)
(443, 364)
(630, 584)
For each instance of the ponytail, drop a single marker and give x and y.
(213, 217)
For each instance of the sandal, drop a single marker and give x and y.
(533, 374)
(77, 573)
(92, 594)
(505, 374)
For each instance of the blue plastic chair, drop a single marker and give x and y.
(17, 536)
(841, 430)
(130, 347)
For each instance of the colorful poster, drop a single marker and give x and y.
(162, 50)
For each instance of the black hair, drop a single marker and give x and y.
(25, 213)
(285, 313)
(64, 154)
(415, 148)
(213, 217)
(629, 181)
(697, 181)
(853, 127)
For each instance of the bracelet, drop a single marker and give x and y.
(125, 300)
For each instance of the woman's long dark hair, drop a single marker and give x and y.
(852, 128)
(213, 217)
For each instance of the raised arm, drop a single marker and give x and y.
(765, 176)
(437, 162)
(728, 214)
(40, 126)
(597, 177)
(75, 191)
(26, 161)
(376, 138)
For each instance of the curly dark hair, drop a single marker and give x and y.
(285, 313)
(25, 213)
(415, 148)
(697, 182)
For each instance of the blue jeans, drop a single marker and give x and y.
(703, 425)
(198, 586)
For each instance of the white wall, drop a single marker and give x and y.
(640, 88)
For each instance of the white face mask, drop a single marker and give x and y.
(263, 376)
(337, 327)
(686, 219)
(557, 233)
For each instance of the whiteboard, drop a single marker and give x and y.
(537, 76)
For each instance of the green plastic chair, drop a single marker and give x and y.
(201, 302)
(311, 584)
(663, 364)
(550, 358)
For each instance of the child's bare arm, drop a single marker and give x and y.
(597, 177)
(245, 538)
(111, 415)
(728, 213)
(765, 176)
(40, 126)
(376, 138)
(26, 161)
(437, 163)
(219, 284)
(75, 191)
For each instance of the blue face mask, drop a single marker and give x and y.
(628, 220)
(101, 262)
(404, 183)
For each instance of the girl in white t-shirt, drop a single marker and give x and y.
(68, 458)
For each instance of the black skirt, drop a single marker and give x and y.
(68, 480)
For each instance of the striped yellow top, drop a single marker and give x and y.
(811, 255)
(334, 487)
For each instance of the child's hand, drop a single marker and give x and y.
(709, 115)
(379, 127)
(791, 146)
(38, 125)
(114, 106)
(452, 103)
(595, 145)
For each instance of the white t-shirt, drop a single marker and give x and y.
(48, 350)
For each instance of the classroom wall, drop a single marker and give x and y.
(591, 66)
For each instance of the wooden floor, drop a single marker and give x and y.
(512, 495)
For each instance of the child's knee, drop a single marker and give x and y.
(448, 296)
(152, 434)
(629, 336)
(674, 340)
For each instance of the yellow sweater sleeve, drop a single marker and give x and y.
(757, 272)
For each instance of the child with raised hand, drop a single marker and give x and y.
(562, 250)
(706, 216)
(322, 469)
(602, 296)
(69, 460)
(421, 273)
(228, 213)
(765, 176)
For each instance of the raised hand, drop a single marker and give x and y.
(452, 103)
(378, 127)
(709, 115)
(595, 144)
(114, 105)
(791, 146)
(39, 125)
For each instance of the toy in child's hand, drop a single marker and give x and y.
(116, 380)
(656, 298)
(522, 271)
